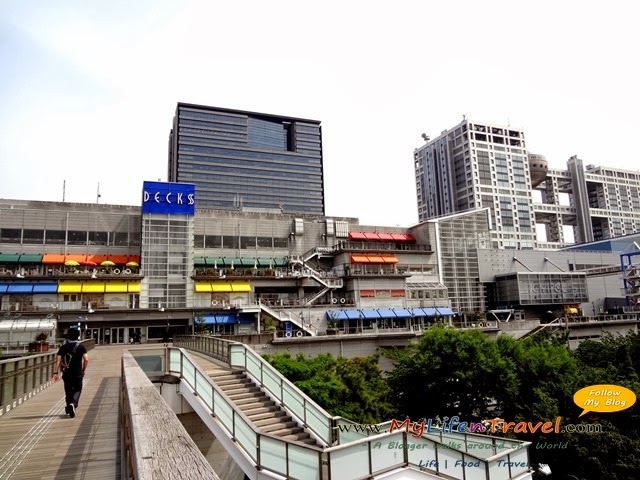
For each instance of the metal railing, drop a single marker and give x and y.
(478, 456)
(267, 452)
(313, 417)
(23, 377)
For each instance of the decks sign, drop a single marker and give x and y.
(168, 198)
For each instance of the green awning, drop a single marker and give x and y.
(215, 262)
(9, 257)
(199, 262)
(236, 262)
(30, 258)
(280, 262)
(266, 262)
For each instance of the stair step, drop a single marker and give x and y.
(252, 406)
(233, 382)
(303, 437)
(265, 422)
(256, 398)
(240, 395)
(258, 416)
(226, 375)
(283, 432)
(240, 387)
(262, 412)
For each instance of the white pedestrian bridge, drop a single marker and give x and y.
(272, 430)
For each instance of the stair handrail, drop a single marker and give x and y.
(228, 415)
(296, 402)
(512, 451)
(285, 317)
(313, 416)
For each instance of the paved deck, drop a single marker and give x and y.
(39, 441)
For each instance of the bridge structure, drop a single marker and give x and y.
(260, 426)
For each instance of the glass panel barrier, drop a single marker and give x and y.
(519, 461)
(498, 471)
(204, 390)
(292, 399)
(175, 357)
(254, 367)
(384, 458)
(349, 463)
(475, 470)
(224, 412)
(273, 454)
(317, 422)
(450, 461)
(422, 452)
(188, 372)
(304, 463)
(237, 355)
(271, 382)
(480, 446)
(246, 437)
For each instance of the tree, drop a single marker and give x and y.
(350, 387)
(450, 372)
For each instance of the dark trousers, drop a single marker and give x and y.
(72, 390)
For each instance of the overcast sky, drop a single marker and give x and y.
(88, 89)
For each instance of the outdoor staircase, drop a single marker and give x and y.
(265, 414)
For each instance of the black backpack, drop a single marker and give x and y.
(67, 357)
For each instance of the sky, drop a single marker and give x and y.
(88, 89)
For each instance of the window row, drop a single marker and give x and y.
(70, 237)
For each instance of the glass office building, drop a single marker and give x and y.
(247, 161)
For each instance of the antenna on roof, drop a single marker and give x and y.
(98, 194)
(64, 185)
(425, 137)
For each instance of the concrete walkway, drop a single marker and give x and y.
(39, 441)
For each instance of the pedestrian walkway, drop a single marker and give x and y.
(39, 441)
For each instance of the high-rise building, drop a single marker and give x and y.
(602, 202)
(247, 161)
(475, 165)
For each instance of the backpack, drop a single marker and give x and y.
(67, 357)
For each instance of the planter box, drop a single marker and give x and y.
(38, 347)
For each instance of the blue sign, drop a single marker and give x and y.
(169, 198)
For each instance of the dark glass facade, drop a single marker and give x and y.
(248, 160)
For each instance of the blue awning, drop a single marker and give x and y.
(220, 319)
(402, 312)
(343, 314)
(45, 288)
(370, 314)
(3, 287)
(386, 313)
(20, 288)
(444, 311)
(336, 315)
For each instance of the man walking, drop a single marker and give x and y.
(73, 359)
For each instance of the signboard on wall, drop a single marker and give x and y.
(169, 198)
